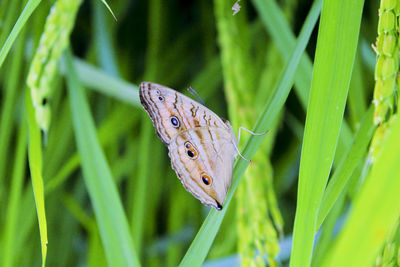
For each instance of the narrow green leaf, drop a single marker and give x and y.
(326, 233)
(102, 82)
(35, 165)
(26, 13)
(347, 165)
(12, 89)
(357, 100)
(109, 9)
(278, 27)
(110, 129)
(139, 196)
(103, 41)
(113, 225)
(14, 202)
(375, 209)
(336, 46)
(205, 237)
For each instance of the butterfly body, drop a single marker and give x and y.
(201, 145)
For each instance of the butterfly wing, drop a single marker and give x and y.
(173, 112)
(203, 159)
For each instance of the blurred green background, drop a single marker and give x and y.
(84, 180)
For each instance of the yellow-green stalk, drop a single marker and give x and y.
(386, 70)
(257, 235)
(389, 254)
(385, 95)
(387, 64)
(43, 68)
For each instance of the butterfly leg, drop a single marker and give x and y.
(242, 128)
(247, 130)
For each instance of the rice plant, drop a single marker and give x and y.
(85, 181)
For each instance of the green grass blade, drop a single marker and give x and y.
(26, 13)
(279, 29)
(113, 225)
(336, 47)
(357, 100)
(205, 237)
(8, 18)
(109, 9)
(103, 45)
(104, 83)
(14, 202)
(108, 131)
(139, 194)
(327, 231)
(8, 106)
(35, 165)
(375, 209)
(347, 165)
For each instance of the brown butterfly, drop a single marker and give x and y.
(201, 145)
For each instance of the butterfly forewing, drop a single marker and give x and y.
(164, 105)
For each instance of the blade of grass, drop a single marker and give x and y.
(375, 209)
(103, 45)
(347, 165)
(336, 47)
(108, 131)
(201, 244)
(104, 83)
(327, 232)
(59, 140)
(141, 192)
(109, 9)
(13, 204)
(139, 196)
(25, 223)
(26, 13)
(35, 165)
(113, 225)
(279, 29)
(12, 86)
(357, 100)
(8, 19)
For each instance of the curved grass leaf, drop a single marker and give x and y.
(111, 219)
(109, 9)
(26, 13)
(278, 27)
(336, 47)
(205, 237)
(102, 82)
(11, 229)
(347, 165)
(35, 165)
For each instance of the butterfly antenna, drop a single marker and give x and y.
(237, 149)
(194, 93)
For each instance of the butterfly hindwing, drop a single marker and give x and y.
(203, 160)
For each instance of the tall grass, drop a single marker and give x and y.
(85, 181)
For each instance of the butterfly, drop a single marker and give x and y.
(202, 146)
